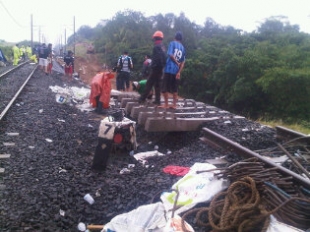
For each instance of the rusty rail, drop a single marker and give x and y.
(219, 141)
(288, 134)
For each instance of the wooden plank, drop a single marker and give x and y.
(9, 144)
(5, 156)
(12, 134)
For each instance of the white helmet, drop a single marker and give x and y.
(135, 84)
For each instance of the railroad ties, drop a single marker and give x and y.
(5, 157)
(2, 170)
(191, 115)
(188, 116)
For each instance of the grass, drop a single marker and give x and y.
(296, 127)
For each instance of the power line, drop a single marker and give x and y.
(10, 15)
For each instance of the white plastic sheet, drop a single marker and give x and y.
(151, 218)
(193, 188)
(145, 218)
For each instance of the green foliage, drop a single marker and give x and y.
(288, 91)
(7, 51)
(263, 73)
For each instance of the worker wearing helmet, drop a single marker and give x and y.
(157, 66)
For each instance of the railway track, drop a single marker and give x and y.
(223, 143)
(13, 81)
(190, 116)
(284, 167)
(62, 142)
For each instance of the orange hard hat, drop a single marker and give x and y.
(159, 34)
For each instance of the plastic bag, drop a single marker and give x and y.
(193, 188)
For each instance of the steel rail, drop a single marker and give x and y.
(17, 94)
(214, 139)
(285, 133)
(13, 69)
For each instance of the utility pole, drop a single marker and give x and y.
(61, 52)
(31, 28)
(73, 38)
(65, 50)
(74, 35)
(40, 34)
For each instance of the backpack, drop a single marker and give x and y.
(120, 61)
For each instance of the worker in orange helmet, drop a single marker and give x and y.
(157, 66)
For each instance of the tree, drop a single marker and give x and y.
(244, 72)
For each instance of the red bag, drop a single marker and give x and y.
(176, 170)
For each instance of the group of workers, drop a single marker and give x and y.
(163, 76)
(20, 53)
(43, 55)
(161, 72)
(166, 68)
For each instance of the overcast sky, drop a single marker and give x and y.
(54, 17)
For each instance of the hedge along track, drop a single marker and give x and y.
(12, 83)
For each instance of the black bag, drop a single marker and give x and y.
(117, 114)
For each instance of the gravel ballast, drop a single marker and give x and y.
(49, 169)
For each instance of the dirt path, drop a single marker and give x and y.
(88, 66)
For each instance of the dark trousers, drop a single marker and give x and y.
(122, 81)
(119, 82)
(154, 80)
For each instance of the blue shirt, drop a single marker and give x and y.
(178, 51)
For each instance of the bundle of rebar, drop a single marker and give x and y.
(254, 194)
